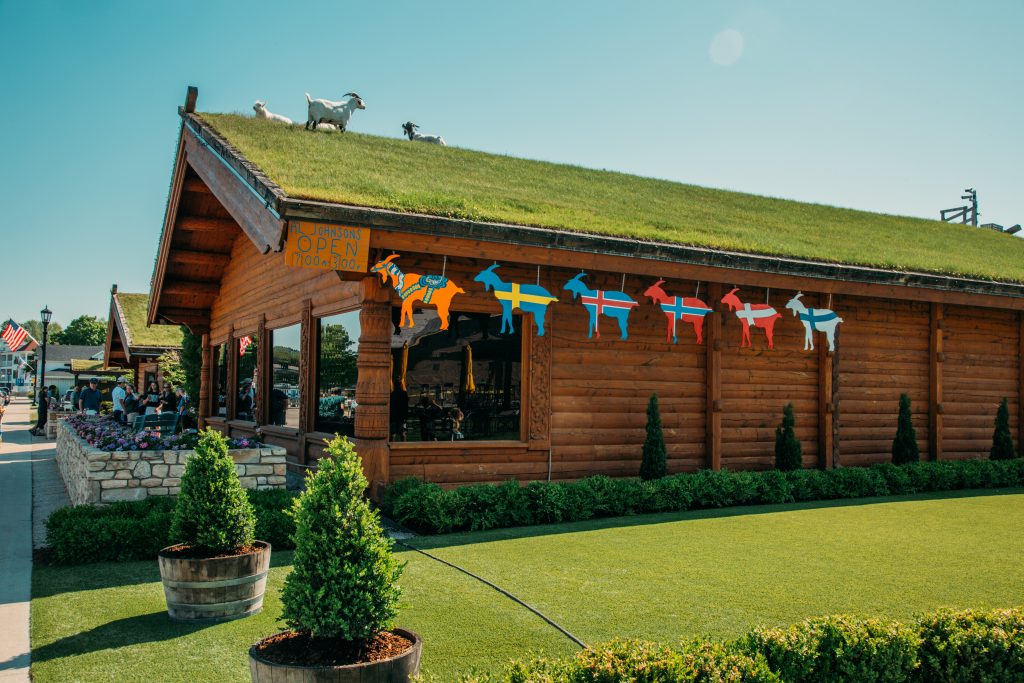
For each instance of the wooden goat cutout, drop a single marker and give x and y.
(688, 309)
(412, 287)
(762, 316)
(532, 299)
(821, 319)
(612, 304)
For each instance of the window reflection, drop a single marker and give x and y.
(220, 360)
(284, 387)
(248, 383)
(337, 338)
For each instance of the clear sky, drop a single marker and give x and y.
(886, 106)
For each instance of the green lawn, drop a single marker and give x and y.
(701, 573)
(395, 174)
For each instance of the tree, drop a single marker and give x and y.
(170, 368)
(35, 328)
(191, 363)
(1002, 442)
(653, 463)
(904, 446)
(85, 330)
(788, 451)
(337, 360)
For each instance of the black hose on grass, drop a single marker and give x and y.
(500, 590)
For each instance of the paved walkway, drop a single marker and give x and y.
(20, 455)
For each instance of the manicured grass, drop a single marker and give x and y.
(445, 181)
(711, 573)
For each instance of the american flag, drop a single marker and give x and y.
(243, 344)
(15, 335)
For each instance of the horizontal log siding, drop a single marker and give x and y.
(883, 353)
(758, 383)
(981, 367)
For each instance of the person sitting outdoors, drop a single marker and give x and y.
(89, 399)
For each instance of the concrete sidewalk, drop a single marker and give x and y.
(20, 452)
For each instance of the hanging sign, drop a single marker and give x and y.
(325, 246)
(532, 299)
(436, 290)
(761, 316)
(820, 319)
(598, 302)
(688, 309)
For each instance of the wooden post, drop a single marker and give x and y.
(204, 383)
(1020, 382)
(231, 390)
(307, 381)
(372, 386)
(825, 405)
(713, 375)
(264, 380)
(935, 358)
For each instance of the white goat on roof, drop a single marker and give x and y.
(263, 113)
(410, 129)
(337, 113)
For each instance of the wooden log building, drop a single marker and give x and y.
(134, 345)
(287, 349)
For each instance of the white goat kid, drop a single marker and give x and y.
(410, 129)
(337, 113)
(263, 113)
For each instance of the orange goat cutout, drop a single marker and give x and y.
(412, 287)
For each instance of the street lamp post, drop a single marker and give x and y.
(44, 316)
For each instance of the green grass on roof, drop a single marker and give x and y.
(133, 308)
(395, 174)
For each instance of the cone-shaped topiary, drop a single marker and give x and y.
(653, 464)
(1002, 442)
(212, 513)
(904, 446)
(788, 451)
(343, 579)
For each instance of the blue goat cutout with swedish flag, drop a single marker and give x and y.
(512, 295)
(815, 319)
(597, 302)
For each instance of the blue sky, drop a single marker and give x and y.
(892, 107)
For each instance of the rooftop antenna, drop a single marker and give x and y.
(965, 214)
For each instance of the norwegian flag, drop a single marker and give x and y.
(15, 335)
(244, 343)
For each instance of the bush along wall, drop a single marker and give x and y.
(428, 508)
(138, 530)
(959, 647)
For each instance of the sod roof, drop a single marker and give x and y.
(395, 174)
(132, 310)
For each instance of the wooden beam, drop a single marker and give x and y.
(1020, 392)
(825, 405)
(200, 258)
(935, 358)
(308, 400)
(203, 408)
(713, 377)
(196, 185)
(206, 224)
(373, 384)
(190, 288)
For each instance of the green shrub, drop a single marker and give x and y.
(137, 530)
(972, 646)
(654, 461)
(788, 451)
(837, 649)
(395, 491)
(212, 512)
(904, 446)
(343, 583)
(1002, 441)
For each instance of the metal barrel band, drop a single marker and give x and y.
(251, 578)
(215, 606)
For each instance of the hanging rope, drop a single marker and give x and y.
(696, 295)
(623, 287)
(830, 300)
(767, 293)
(444, 265)
(538, 275)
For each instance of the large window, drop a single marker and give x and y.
(247, 399)
(219, 403)
(337, 338)
(459, 383)
(286, 344)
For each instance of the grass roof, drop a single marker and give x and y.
(133, 311)
(395, 174)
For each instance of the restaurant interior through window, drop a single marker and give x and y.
(337, 351)
(246, 401)
(220, 380)
(463, 383)
(285, 344)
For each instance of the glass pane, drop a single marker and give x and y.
(460, 383)
(248, 384)
(220, 359)
(284, 382)
(337, 347)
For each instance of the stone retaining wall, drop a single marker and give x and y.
(95, 476)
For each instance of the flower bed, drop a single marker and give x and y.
(109, 435)
(104, 462)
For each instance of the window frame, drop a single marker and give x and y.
(313, 402)
(267, 381)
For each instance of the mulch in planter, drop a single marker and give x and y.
(191, 552)
(300, 649)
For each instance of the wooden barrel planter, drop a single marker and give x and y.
(215, 589)
(398, 669)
